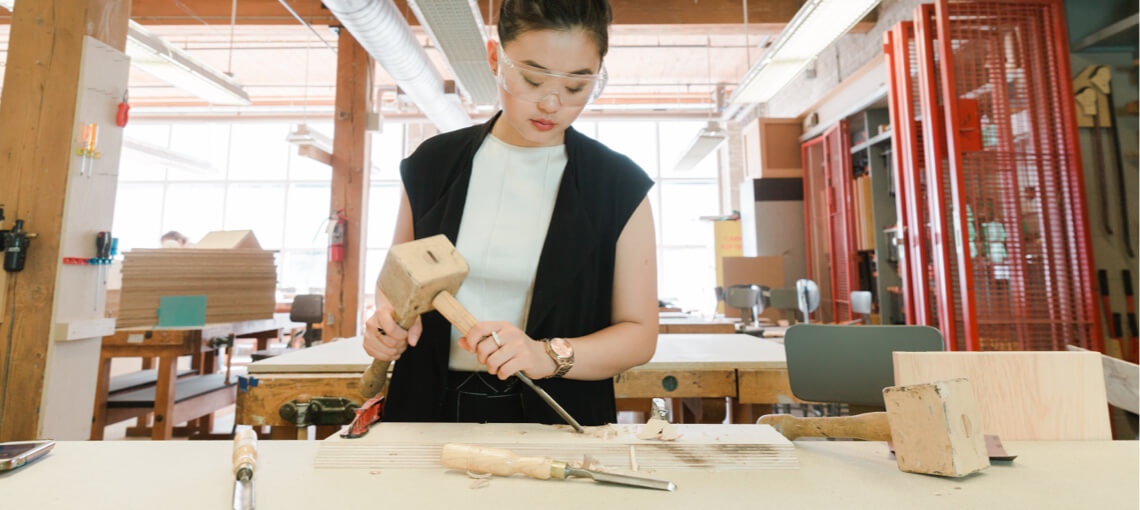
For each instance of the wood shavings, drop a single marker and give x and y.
(605, 432)
(480, 483)
(374, 472)
(478, 476)
(658, 429)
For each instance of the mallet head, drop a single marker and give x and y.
(414, 272)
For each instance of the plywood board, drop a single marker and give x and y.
(1022, 395)
(721, 447)
(1121, 382)
(674, 352)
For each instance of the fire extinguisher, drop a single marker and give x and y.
(336, 238)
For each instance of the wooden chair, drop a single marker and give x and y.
(1023, 395)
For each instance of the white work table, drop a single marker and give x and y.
(674, 352)
(833, 474)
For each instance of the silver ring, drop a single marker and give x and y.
(495, 337)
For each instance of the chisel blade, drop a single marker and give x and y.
(551, 402)
(632, 481)
(243, 495)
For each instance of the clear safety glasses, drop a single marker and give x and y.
(531, 83)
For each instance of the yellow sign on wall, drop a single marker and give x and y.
(727, 243)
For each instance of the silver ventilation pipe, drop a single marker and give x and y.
(380, 28)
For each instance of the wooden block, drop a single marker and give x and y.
(698, 328)
(936, 428)
(1023, 396)
(259, 404)
(675, 383)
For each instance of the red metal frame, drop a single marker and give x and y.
(935, 152)
(837, 172)
(902, 225)
(1028, 270)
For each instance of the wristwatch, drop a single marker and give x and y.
(562, 353)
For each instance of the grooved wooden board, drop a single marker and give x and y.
(1022, 395)
(674, 352)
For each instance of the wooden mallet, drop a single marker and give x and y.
(418, 277)
(936, 428)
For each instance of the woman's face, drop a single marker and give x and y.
(530, 123)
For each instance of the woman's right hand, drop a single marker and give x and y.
(384, 339)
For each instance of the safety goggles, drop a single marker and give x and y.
(531, 83)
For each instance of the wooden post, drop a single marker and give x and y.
(37, 117)
(351, 168)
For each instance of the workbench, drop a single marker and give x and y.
(168, 344)
(832, 474)
(743, 368)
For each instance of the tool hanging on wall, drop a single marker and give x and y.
(1105, 302)
(123, 114)
(14, 243)
(337, 237)
(88, 140)
(1099, 80)
(1087, 101)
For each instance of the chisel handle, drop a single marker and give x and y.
(867, 426)
(481, 459)
(245, 451)
(376, 377)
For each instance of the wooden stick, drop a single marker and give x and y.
(867, 426)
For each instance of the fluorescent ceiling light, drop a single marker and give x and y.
(817, 24)
(168, 63)
(166, 157)
(707, 140)
(302, 135)
(455, 27)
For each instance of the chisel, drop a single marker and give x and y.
(481, 459)
(245, 460)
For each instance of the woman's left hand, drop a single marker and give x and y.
(517, 352)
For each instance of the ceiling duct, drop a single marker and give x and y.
(385, 34)
(456, 29)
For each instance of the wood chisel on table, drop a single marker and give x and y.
(481, 459)
(245, 460)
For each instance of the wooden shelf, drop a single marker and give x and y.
(867, 144)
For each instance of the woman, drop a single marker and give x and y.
(557, 230)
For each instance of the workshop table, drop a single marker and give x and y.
(168, 344)
(118, 475)
(684, 366)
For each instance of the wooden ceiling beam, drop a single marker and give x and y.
(768, 15)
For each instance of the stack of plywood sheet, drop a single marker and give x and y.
(237, 277)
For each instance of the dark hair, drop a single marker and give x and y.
(175, 235)
(592, 16)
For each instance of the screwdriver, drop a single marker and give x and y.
(102, 256)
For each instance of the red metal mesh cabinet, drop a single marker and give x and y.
(841, 225)
(991, 167)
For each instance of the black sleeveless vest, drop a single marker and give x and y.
(573, 288)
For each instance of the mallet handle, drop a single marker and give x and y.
(866, 426)
(376, 377)
(481, 459)
(449, 307)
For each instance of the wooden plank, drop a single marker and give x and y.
(768, 386)
(263, 396)
(1121, 381)
(682, 327)
(99, 413)
(37, 116)
(351, 169)
(1022, 395)
(675, 383)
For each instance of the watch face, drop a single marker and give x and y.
(561, 347)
